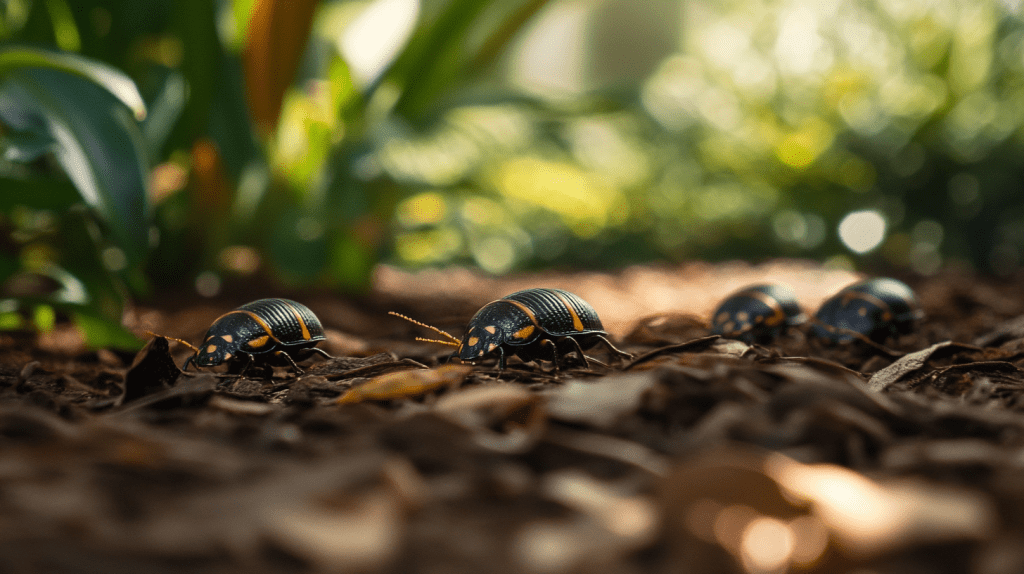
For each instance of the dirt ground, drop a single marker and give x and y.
(701, 454)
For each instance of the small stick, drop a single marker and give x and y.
(455, 342)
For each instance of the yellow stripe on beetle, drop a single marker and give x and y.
(524, 309)
(577, 324)
(524, 332)
(298, 317)
(258, 342)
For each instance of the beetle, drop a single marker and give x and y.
(877, 308)
(533, 324)
(757, 313)
(261, 328)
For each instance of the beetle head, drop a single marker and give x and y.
(214, 351)
(480, 340)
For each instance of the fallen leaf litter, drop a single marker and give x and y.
(702, 454)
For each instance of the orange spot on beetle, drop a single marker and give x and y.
(524, 332)
(211, 349)
(473, 341)
(258, 342)
(228, 338)
(491, 329)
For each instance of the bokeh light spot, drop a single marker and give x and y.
(423, 209)
(495, 254)
(767, 545)
(208, 284)
(374, 38)
(240, 259)
(862, 231)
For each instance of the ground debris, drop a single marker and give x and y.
(153, 370)
(703, 454)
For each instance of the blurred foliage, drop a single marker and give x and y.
(309, 140)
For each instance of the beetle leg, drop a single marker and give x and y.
(579, 351)
(501, 358)
(247, 365)
(554, 351)
(613, 348)
(298, 371)
(321, 351)
(188, 362)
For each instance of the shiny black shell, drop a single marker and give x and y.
(757, 313)
(878, 309)
(263, 326)
(520, 324)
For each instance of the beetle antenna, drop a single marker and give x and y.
(437, 341)
(431, 327)
(186, 343)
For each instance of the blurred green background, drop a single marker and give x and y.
(304, 142)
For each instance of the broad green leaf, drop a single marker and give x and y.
(101, 333)
(351, 262)
(26, 147)
(277, 35)
(96, 141)
(298, 247)
(36, 192)
(440, 55)
(118, 84)
(86, 280)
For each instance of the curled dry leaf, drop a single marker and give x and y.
(951, 453)
(152, 370)
(772, 513)
(404, 384)
(241, 407)
(910, 363)
(667, 328)
(613, 524)
(868, 518)
(364, 534)
(609, 447)
(504, 418)
(193, 391)
(1009, 330)
(600, 403)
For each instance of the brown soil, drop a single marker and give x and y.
(701, 455)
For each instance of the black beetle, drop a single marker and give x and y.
(757, 314)
(533, 324)
(877, 308)
(263, 327)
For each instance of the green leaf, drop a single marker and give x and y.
(115, 82)
(85, 279)
(441, 54)
(102, 333)
(351, 263)
(26, 147)
(36, 192)
(96, 141)
(296, 257)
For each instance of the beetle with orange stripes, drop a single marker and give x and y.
(534, 324)
(263, 328)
